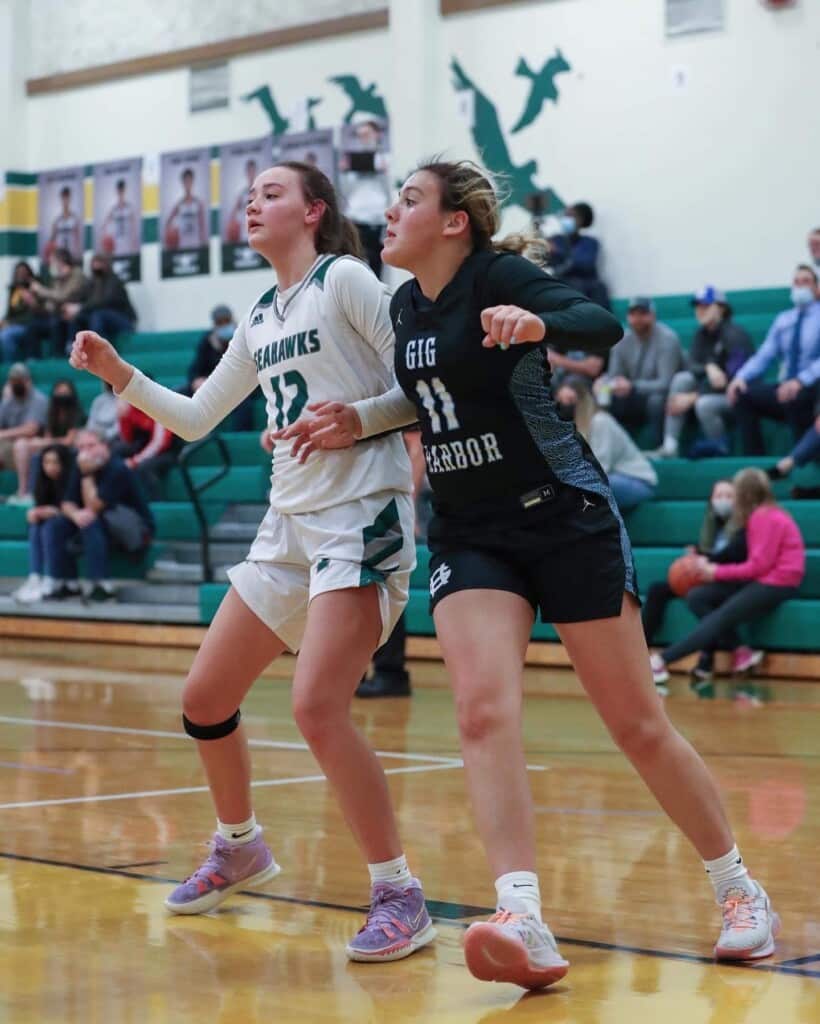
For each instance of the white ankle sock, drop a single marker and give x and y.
(518, 892)
(238, 835)
(728, 872)
(394, 871)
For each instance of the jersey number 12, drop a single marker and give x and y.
(291, 379)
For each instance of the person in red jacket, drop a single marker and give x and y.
(147, 447)
(741, 592)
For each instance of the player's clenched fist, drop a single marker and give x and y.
(96, 355)
(510, 325)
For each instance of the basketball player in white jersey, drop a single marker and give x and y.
(189, 216)
(66, 228)
(328, 572)
(120, 224)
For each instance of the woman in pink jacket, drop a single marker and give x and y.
(740, 592)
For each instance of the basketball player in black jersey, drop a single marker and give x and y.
(524, 522)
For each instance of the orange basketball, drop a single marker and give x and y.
(234, 231)
(684, 573)
(172, 237)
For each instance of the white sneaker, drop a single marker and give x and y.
(660, 673)
(749, 925)
(516, 948)
(30, 591)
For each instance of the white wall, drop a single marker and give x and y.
(716, 182)
(713, 182)
(73, 34)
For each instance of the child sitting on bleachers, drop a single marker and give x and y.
(734, 594)
(720, 541)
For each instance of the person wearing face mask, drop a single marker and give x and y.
(107, 310)
(573, 257)
(210, 349)
(794, 340)
(67, 289)
(719, 349)
(22, 413)
(631, 475)
(63, 419)
(733, 594)
(720, 541)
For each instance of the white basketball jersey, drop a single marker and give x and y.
(329, 337)
(65, 233)
(188, 222)
(122, 221)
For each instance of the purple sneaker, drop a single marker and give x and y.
(228, 869)
(397, 924)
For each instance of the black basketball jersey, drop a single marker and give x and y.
(490, 427)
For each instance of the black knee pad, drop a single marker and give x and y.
(211, 732)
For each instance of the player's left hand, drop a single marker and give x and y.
(510, 325)
(329, 425)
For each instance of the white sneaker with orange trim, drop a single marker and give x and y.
(515, 948)
(749, 925)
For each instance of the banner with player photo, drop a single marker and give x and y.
(314, 147)
(61, 212)
(185, 212)
(118, 215)
(240, 163)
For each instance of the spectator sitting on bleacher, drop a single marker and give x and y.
(734, 594)
(641, 368)
(721, 542)
(210, 349)
(63, 418)
(577, 363)
(50, 484)
(103, 416)
(23, 410)
(719, 349)
(573, 257)
(794, 339)
(146, 446)
(631, 475)
(24, 314)
(107, 310)
(102, 506)
(65, 294)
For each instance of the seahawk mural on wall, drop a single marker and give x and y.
(487, 133)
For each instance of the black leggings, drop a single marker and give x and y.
(721, 608)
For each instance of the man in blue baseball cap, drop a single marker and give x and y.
(719, 349)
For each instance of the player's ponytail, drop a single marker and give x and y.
(334, 233)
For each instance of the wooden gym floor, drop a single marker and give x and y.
(103, 807)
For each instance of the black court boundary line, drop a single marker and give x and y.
(786, 967)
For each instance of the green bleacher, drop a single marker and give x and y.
(658, 529)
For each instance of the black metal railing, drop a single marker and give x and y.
(195, 489)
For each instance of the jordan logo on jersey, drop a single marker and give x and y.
(440, 578)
